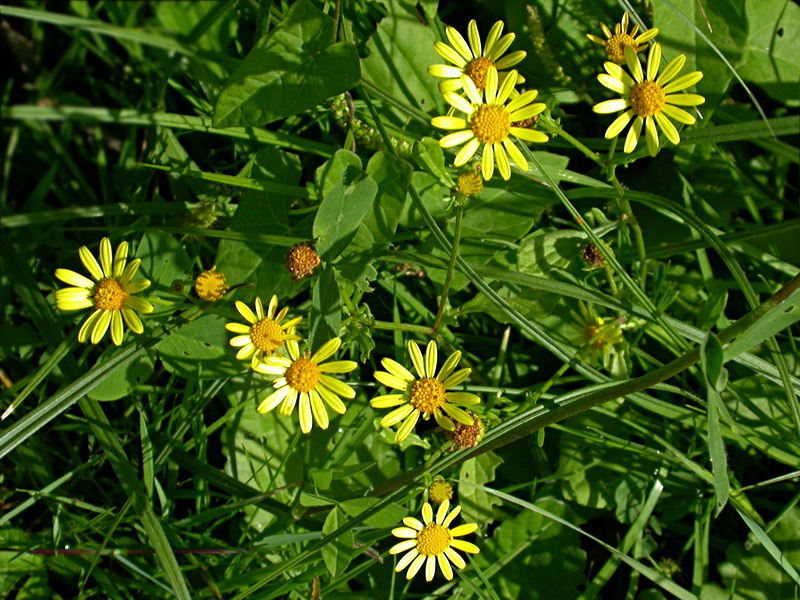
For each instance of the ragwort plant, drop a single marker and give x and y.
(615, 409)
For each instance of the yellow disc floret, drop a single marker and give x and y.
(433, 540)
(440, 490)
(267, 335)
(469, 183)
(210, 285)
(303, 375)
(109, 295)
(647, 98)
(490, 123)
(477, 69)
(427, 394)
(615, 47)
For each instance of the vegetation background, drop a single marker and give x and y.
(145, 472)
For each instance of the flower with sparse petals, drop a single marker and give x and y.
(264, 332)
(648, 98)
(425, 395)
(474, 59)
(305, 377)
(616, 43)
(111, 294)
(433, 541)
(490, 122)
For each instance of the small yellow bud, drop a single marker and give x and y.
(440, 490)
(469, 183)
(210, 285)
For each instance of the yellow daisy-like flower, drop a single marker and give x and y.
(265, 333)
(596, 334)
(111, 294)
(433, 542)
(305, 377)
(648, 97)
(491, 123)
(616, 43)
(473, 60)
(425, 395)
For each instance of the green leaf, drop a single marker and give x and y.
(293, 68)
(771, 57)
(428, 154)
(541, 253)
(347, 196)
(386, 517)
(258, 212)
(200, 350)
(135, 371)
(477, 504)
(163, 261)
(777, 319)
(337, 552)
(326, 312)
(712, 358)
(728, 32)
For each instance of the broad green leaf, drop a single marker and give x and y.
(428, 154)
(477, 504)
(163, 262)
(728, 24)
(771, 54)
(326, 312)
(200, 350)
(259, 212)
(393, 176)
(347, 197)
(543, 252)
(337, 552)
(16, 565)
(712, 358)
(387, 517)
(293, 68)
(136, 371)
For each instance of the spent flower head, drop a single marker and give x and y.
(264, 333)
(425, 395)
(430, 542)
(110, 292)
(615, 43)
(473, 59)
(301, 260)
(489, 120)
(648, 99)
(306, 377)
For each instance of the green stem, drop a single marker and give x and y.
(450, 268)
(551, 126)
(398, 327)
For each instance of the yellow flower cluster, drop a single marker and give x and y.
(487, 111)
(648, 99)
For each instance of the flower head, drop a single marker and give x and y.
(440, 491)
(648, 98)
(305, 377)
(490, 122)
(425, 395)
(616, 43)
(433, 542)
(474, 59)
(466, 436)
(596, 335)
(110, 292)
(301, 260)
(210, 285)
(469, 183)
(264, 333)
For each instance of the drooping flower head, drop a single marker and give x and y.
(474, 59)
(210, 285)
(490, 121)
(648, 98)
(616, 43)
(264, 332)
(305, 377)
(110, 292)
(433, 541)
(425, 395)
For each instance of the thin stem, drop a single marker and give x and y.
(398, 327)
(551, 126)
(450, 268)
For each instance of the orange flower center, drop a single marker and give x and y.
(266, 335)
(303, 375)
(210, 285)
(109, 295)
(477, 69)
(490, 123)
(469, 183)
(427, 394)
(615, 47)
(433, 540)
(647, 98)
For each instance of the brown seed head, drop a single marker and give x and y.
(465, 436)
(301, 260)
